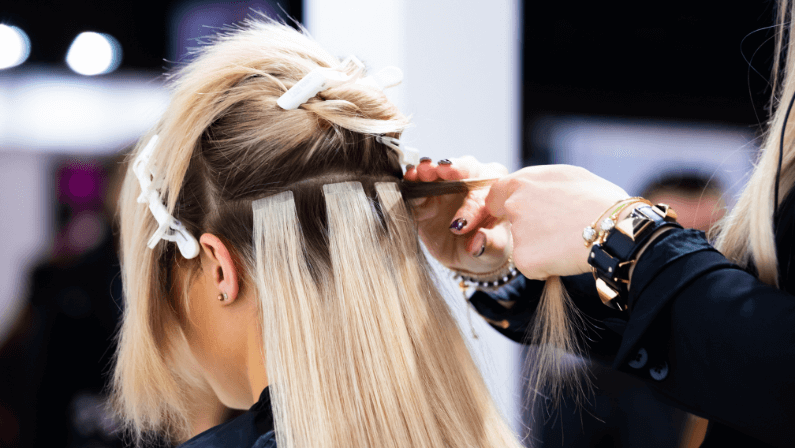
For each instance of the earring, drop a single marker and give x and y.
(223, 297)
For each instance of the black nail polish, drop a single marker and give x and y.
(425, 159)
(445, 162)
(408, 167)
(458, 224)
(482, 249)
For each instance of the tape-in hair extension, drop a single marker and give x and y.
(291, 312)
(373, 348)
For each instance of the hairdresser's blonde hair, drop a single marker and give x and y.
(745, 235)
(359, 345)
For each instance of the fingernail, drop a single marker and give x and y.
(425, 159)
(445, 162)
(409, 167)
(458, 224)
(480, 244)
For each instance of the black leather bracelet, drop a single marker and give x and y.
(612, 260)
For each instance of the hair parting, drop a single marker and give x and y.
(359, 345)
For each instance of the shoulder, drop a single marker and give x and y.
(240, 432)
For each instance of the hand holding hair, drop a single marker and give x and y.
(548, 208)
(457, 229)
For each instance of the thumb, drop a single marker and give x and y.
(499, 192)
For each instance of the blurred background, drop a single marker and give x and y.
(667, 100)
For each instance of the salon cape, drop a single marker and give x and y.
(707, 336)
(252, 429)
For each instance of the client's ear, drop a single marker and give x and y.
(223, 269)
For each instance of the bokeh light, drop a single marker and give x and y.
(94, 54)
(14, 46)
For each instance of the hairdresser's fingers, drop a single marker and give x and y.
(468, 167)
(500, 191)
(426, 171)
(471, 213)
(411, 173)
(456, 168)
(492, 239)
(492, 170)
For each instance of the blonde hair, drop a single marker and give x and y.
(745, 235)
(359, 345)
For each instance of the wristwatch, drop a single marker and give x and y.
(612, 260)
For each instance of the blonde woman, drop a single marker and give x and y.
(270, 260)
(710, 328)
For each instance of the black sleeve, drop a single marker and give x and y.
(712, 338)
(708, 336)
(510, 311)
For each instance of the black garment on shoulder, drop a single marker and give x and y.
(715, 341)
(253, 429)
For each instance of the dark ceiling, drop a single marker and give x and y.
(142, 27)
(677, 59)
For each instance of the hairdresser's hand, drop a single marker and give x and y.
(456, 228)
(548, 207)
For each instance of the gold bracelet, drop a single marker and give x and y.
(591, 235)
(609, 223)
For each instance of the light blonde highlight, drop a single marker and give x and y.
(358, 344)
(745, 235)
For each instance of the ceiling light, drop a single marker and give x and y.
(94, 54)
(14, 46)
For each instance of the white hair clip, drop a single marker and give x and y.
(318, 80)
(324, 78)
(169, 228)
(408, 155)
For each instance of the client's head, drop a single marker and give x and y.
(309, 277)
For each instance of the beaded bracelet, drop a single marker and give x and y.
(488, 280)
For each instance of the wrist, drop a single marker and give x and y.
(613, 257)
(596, 233)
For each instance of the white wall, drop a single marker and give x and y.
(52, 110)
(45, 112)
(25, 230)
(461, 61)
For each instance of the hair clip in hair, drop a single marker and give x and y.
(318, 80)
(386, 77)
(408, 155)
(324, 78)
(169, 228)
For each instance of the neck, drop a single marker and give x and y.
(257, 376)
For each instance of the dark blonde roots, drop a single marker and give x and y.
(359, 345)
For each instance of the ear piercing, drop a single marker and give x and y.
(223, 297)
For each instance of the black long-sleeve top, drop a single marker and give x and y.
(707, 336)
